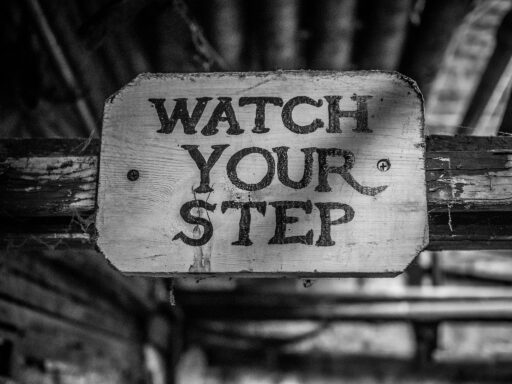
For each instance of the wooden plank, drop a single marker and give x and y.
(469, 173)
(470, 230)
(482, 162)
(46, 338)
(435, 304)
(469, 189)
(369, 217)
(447, 157)
(84, 267)
(46, 287)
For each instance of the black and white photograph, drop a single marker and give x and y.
(256, 191)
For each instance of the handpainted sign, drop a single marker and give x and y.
(284, 173)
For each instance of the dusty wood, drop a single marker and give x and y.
(142, 227)
(469, 192)
(469, 174)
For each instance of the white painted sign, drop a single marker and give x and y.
(285, 173)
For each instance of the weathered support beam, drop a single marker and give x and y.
(469, 173)
(48, 189)
(422, 305)
(469, 188)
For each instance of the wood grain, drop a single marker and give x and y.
(71, 314)
(141, 224)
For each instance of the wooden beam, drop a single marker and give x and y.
(48, 189)
(417, 305)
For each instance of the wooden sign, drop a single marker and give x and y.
(285, 173)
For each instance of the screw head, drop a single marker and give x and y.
(383, 165)
(132, 174)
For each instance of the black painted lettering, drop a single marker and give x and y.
(288, 122)
(222, 112)
(180, 112)
(186, 214)
(324, 169)
(344, 171)
(261, 102)
(360, 114)
(282, 167)
(245, 217)
(205, 166)
(237, 157)
(325, 239)
(282, 219)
